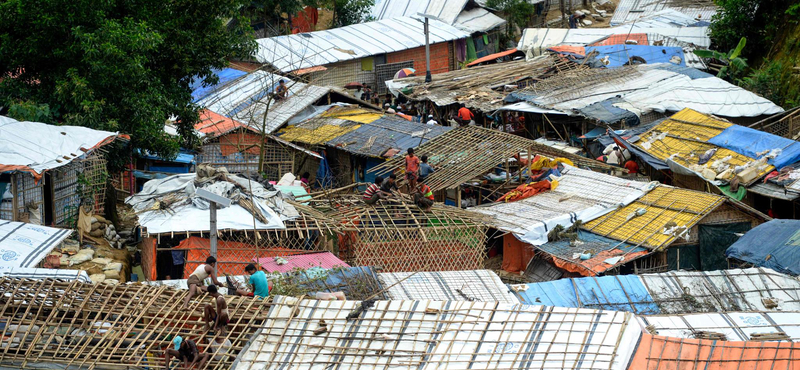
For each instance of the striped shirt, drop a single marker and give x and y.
(371, 190)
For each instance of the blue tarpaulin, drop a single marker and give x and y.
(774, 245)
(751, 142)
(642, 155)
(225, 75)
(618, 293)
(594, 133)
(619, 55)
(605, 111)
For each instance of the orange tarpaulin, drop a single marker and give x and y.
(232, 257)
(656, 352)
(622, 38)
(516, 254)
(525, 191)
(596, 264)
(239, 142)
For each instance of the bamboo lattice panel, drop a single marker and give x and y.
(110, 326)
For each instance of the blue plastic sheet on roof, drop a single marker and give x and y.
(619, 55)
(225, 75)
(690, 72)
(605, 111)
(389, 133)
(774, 245)
(182, 157)
(598, 243)
(751, 142)
(594, 133)
(642, 155)
(617, 293)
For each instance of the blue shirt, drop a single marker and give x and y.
(260, 285)
(425, 170)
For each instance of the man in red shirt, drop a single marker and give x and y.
(412, 169)
(466, 115)
(631, 166)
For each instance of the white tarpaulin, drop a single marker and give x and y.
(480, 285)
(42, 273)
(25, 245)
(581, 195)
(190, 213)
(41, 147)
(742, 326)
(428, 335)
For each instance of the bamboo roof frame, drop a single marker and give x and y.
(464, 153)
(143, 320)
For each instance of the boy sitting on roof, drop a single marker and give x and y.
(195, 281)
(186, 350)
(373, 192)
(281, 91)
(216, 316)
(423, 197)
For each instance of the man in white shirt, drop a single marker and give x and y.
(432, 121)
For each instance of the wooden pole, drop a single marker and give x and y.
(213, 231)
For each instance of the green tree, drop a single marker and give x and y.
(519, 11)
(734, 65)
(757, 20)
(120, 65)
(347, 12)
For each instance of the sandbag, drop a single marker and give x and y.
(111, 274)
(116, 266)
(82, 256)
(102, 261)
(97, 278)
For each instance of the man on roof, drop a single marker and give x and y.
(423, 197)
(216, 315)
(196, 279)
(186, 351)
(373, 193)
(412, 169)
(258, 282)
(282, 91)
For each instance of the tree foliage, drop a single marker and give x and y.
(118, 65)
(519, 11)
(756, 20)
(734, 65)
(347, 12)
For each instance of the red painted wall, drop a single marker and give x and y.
(441, 58)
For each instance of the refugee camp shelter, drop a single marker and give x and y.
(358, 139)
(262, 221)
(249, 98)
(663, 12)
(236, 146)
(674, 292)
(465, 155)
(536, 41)
(400, 237)
(467, 15)
(439, 335)
(369, 53)
(690, 229)
(73, 324)
(46, 171)
(773, 245)
(580, 195)
(471, 285)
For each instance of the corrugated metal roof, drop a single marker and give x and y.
(428, 335)
(325, 260)
(291, 52)
(628, 11)
(581, 195)
(676, 292)
(245, 99)
(539, 39)
(449, 11)
(375, 138)
(782, 326)
(481, 285)
(663, 205)
(646, 88)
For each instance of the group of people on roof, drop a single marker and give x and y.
(416, 171)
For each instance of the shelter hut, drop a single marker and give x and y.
(399, 237)
(48, 171)
(436, 335)
(236, 146)
(729, 326)
(686, 229)
(772, 244)
(262, 222)
(339, 56)
(73, 324)
(671, 293)
(732, 161)
(467, 155)
(356, 139)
